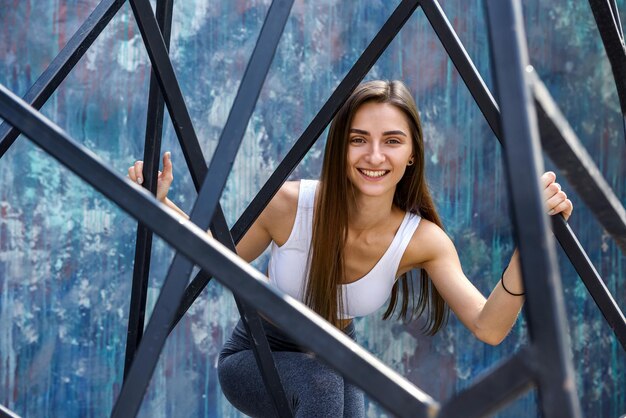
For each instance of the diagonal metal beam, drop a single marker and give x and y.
(595, 285)
(564, 148)
(384, 385)
(147, 355)
(601, 199)
(63, 64)
(143, 242)
(170, 89)
(609, 25)
(545, 308)
(245, 101)
(7, 413)
(463, 64)
(492, 391)
(589, 192)
(254, 327)
(358, 71)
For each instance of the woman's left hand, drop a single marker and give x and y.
(555, 198)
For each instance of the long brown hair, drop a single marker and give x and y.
(323, 292)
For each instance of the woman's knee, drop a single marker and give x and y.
(242, 385)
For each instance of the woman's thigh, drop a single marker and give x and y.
(312, 388)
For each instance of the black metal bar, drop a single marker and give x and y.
(254, 327)
(139, 375)
(358, 71)
(384, 385)
(597, 289)
(245, 100)
(609, 26)
(490, 110)
(164, 72)
(545, 308)
(596, 194)
(564, 148)
(492, 391)
(618, 21)
(360, 68)
(143, 242)
(7, 413)
(463, 63)
(63, 64)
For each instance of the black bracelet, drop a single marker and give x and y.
(507, 290)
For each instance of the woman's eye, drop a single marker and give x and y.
(357, 140)
(393, 141)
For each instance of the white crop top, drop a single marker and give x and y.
(288, 263)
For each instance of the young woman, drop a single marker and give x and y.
(343, 246)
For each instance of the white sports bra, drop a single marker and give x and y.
(288, 263)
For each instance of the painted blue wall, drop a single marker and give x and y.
(66, 253)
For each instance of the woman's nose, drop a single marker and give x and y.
(375, 155)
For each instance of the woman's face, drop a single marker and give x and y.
(379, 149)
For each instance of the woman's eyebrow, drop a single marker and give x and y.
(362, 132)
(394, 133)
(358, 131)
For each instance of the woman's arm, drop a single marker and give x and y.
(490, 320)
(258, 237)
(507, 295)
(164, 181)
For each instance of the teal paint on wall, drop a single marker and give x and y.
(66, 254)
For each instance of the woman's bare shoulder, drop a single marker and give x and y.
(280, 214)
(286, 199)
(428, 243)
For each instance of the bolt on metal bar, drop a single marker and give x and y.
(545, 309)
(489, 393)
(143, 242)
(358, 71)
(7, 413)
(63, 64)
(588, 190)
(391, 390)
(147, 356)
(609, 25)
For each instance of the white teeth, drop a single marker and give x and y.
(370, 173)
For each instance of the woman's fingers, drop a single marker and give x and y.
(138, 171)
(167, 174)
(556, 200)
(553, 202)
(131, 173)
(551, 190)
(547, 178)
(565, 208)
(165, 177)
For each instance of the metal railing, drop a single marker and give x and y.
(545, 362)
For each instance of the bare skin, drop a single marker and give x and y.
(378, 153)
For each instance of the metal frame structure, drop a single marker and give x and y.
(609, 25)
(7, 413)
(544, 362)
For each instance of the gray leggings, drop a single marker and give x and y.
(312, 388)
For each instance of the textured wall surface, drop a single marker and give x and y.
(66, 253)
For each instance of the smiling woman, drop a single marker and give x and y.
(344, 244)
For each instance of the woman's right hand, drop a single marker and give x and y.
(135, 173)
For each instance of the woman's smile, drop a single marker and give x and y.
(373, 174)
